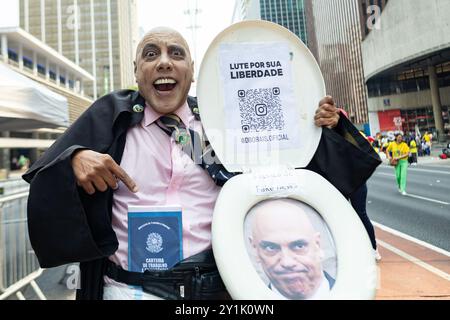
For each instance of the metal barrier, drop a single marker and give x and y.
(13, 186)
(19, 266)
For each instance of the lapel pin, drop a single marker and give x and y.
(138, 108)
(182, 137)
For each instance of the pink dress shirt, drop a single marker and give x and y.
(165, 175)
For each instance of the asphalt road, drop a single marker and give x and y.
(424, 213)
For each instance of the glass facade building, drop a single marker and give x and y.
(288, 13)
(102, 42)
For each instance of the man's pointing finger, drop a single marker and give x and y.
(124, 177)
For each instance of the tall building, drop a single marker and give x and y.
(100, 36)
(332, 31)
(407, 68)
(288, 13)
(336, 44)
(310, 29)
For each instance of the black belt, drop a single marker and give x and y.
(194, 278)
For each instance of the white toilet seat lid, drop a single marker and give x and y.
(258, 89)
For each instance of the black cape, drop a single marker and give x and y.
(67, 225)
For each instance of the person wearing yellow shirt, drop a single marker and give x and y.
(398, 152)
(427, 139)
(413, 151)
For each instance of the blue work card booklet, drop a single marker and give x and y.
(155, 237)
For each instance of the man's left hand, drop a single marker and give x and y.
(327, 115)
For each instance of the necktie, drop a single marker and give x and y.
(197, 148)
(174, 127)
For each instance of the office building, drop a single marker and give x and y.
(335, 40)
(407, 68)
(100, 36)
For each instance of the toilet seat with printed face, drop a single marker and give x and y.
(356, 274)
(356, 267)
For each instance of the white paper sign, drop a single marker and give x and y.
(259, 101)
(275, 181)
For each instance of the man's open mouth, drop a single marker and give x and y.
(164, 84)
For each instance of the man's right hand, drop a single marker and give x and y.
(97, 171)
(327, 115)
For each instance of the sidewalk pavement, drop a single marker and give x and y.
(433, 160)
(410, 269)
(436, 150)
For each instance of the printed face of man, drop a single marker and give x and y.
(288, 248)
(164, 69)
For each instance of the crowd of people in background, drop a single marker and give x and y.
(402, 150)
(419, 145)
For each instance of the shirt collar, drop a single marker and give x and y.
(183, 112)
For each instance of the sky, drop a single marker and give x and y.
(213, 16)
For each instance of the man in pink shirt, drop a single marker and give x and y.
(119, 154)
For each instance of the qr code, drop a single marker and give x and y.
(260, 110)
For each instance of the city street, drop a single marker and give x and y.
(424, 213)
(412, 231)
